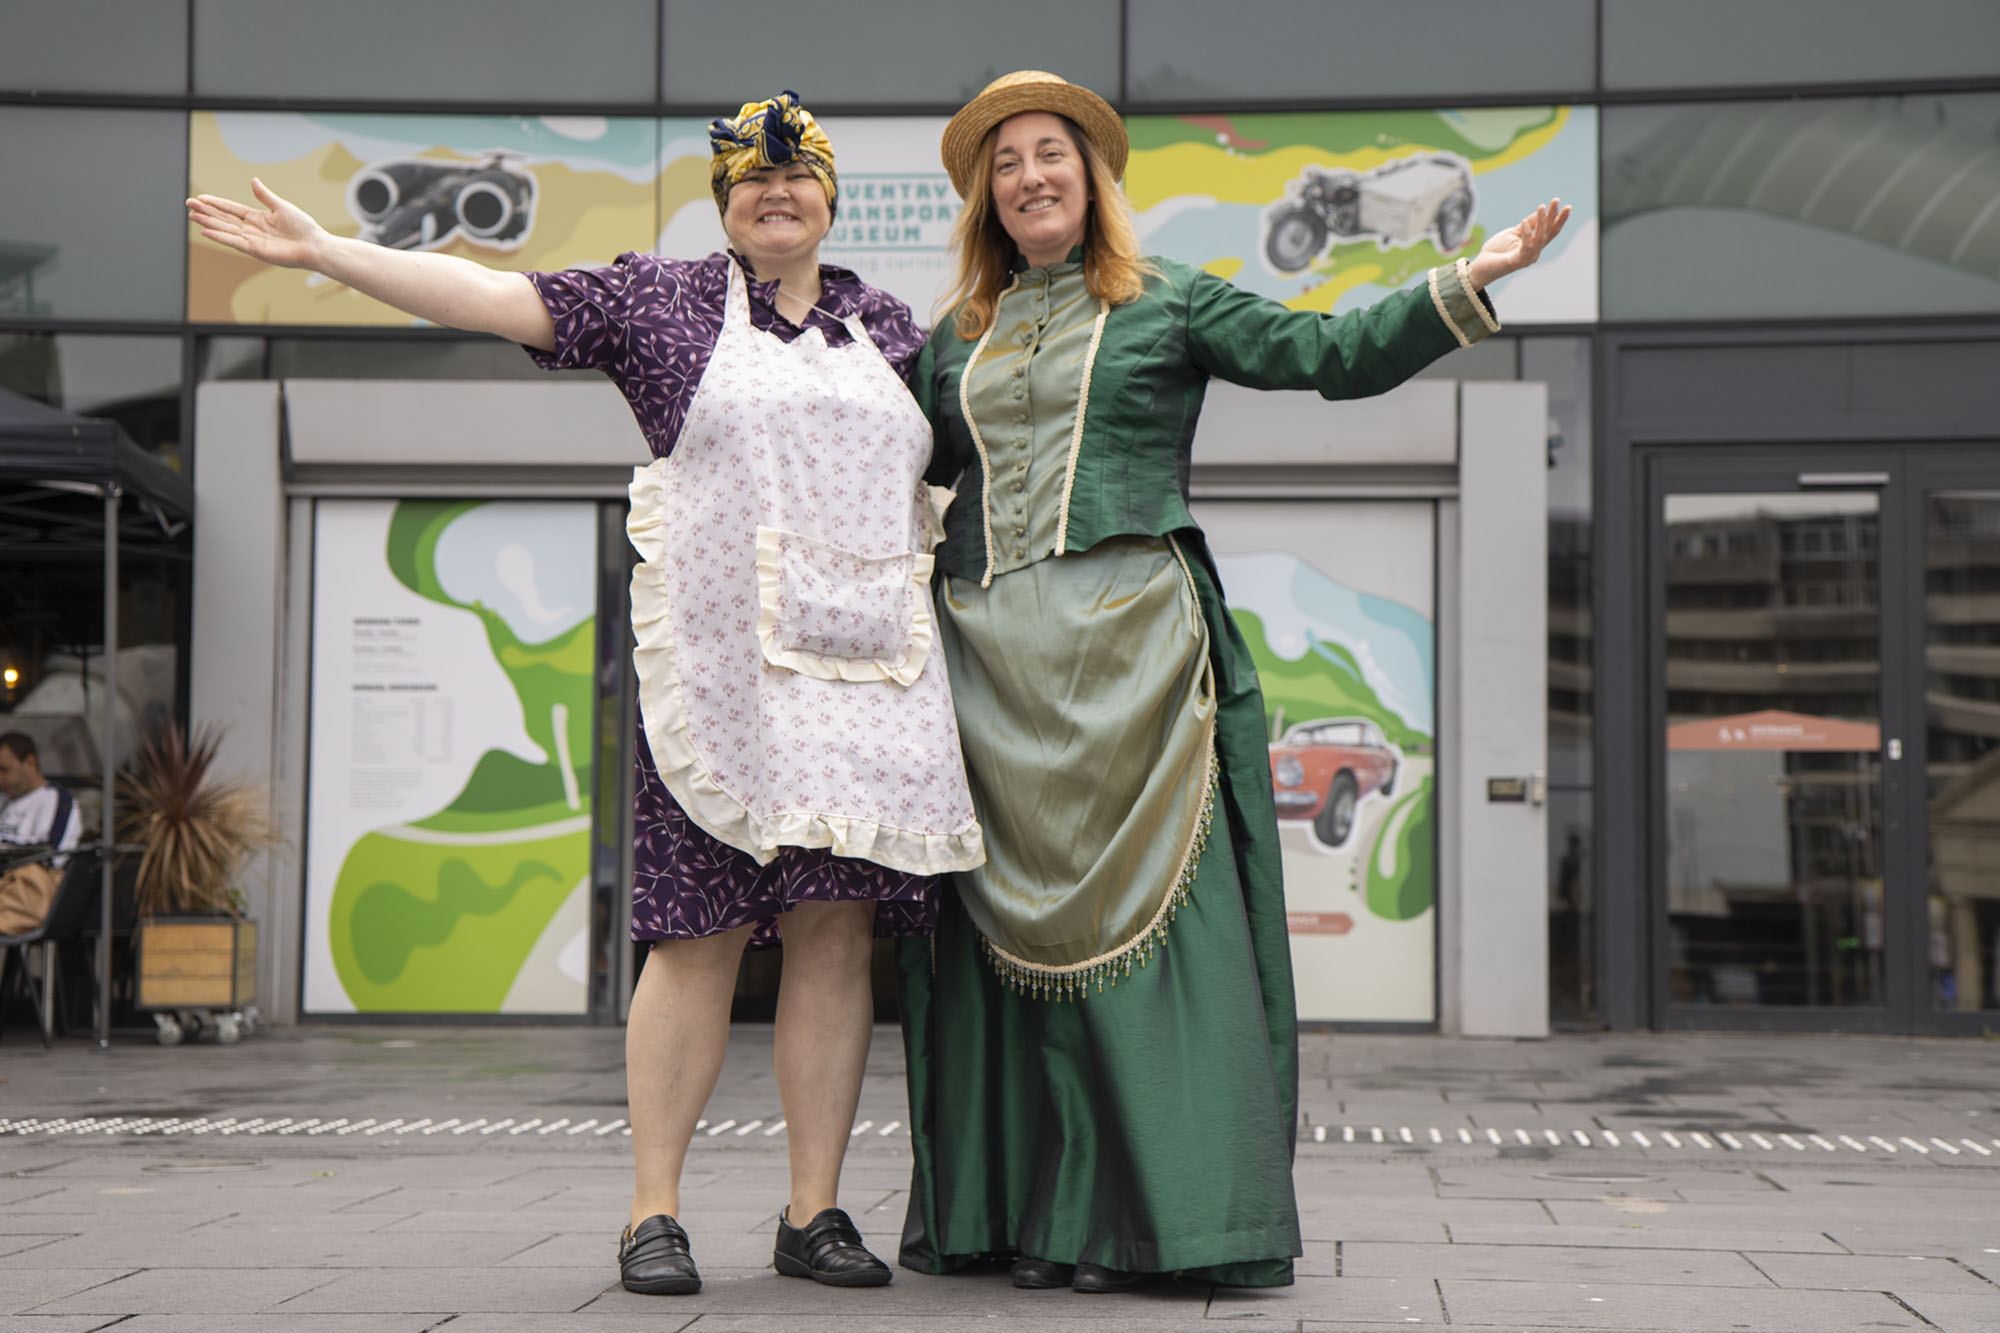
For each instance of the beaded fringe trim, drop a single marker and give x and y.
(1073, 981)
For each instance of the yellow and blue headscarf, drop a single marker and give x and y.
(770, 133)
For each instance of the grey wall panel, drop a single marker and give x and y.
(362, 424)
(1502, 718)
(92, 225)
(1921, 379)
(1263, 50)
(239, 607)
(94, 46)
(1415, 424)
(877, 51)
(426, 50)
(1675, 384)
(1730, 43)
(1914, 389)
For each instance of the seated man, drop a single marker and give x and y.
(34, 812)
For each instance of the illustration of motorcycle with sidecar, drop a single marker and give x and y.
(416, 203)
(1398, 204)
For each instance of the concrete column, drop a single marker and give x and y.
(239, 597)
(1500, 919)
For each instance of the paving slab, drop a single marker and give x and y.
(25, 1289)
(1600, 1305)
(288, 1323)
(745, 1292)
(1551, 1263)
(201, 1291)
(299, 1249)
(1642, 1236)
(1957, 1238)
(1405, 1301)
(1904, 1276)
(495, 1290)
(1965, 1312)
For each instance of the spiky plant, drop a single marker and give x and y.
(197, 829)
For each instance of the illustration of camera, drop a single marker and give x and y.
(415, 203)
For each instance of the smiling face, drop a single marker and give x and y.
(777, 216)
(1041, 187)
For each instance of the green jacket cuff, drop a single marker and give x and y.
(1468, 314)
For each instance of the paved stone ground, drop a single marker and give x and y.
(475, 1178)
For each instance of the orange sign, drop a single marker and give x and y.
(1318, 923)
(1774, 730)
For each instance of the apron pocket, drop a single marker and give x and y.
(830, 613)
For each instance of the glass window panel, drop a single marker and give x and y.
(85, 46)
(1266, 50)
(1962, 745)
(1564, 365)
(437, 51)
(92, 226)
(1572, 909)
(133, 380)
(229, 358)
(1727, 43)
(878, 51)
(1774, 775)
(1831, 207)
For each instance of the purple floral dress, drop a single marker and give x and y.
(650, 324)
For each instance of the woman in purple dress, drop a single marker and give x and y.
(799, 775)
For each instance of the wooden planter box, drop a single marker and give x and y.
(197, 962)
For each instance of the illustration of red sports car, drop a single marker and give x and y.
(1321, 770)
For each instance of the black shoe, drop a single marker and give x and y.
(1032, 1274)
(1089, 1277)
(827, 1249)
(653, 1259)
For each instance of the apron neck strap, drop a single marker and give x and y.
(736, 305)
(736, 308)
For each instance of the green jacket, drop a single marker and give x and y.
(1143, 391)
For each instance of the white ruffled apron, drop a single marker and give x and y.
(788, 682)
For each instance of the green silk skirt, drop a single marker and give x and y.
(1148, 1126)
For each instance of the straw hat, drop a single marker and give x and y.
(1029, 90)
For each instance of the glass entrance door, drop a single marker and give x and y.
(1773, 828)
(1824, 686)
(1960, 639)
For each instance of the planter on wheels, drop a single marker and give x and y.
(198, 971)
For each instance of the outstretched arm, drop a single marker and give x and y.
(1256, 342)
(443, 289)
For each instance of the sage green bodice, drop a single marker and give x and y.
(1023, 391)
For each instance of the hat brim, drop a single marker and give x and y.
(1091, 113)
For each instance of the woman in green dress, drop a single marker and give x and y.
(1101, 1037)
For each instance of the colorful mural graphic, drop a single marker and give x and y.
(1349, 680)
(1332, 211)
(536, 192)
(454, 681)
(1321, 211)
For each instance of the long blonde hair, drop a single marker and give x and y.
(1113, 268)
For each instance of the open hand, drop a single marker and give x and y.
(280, 233)
(1519, 245)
